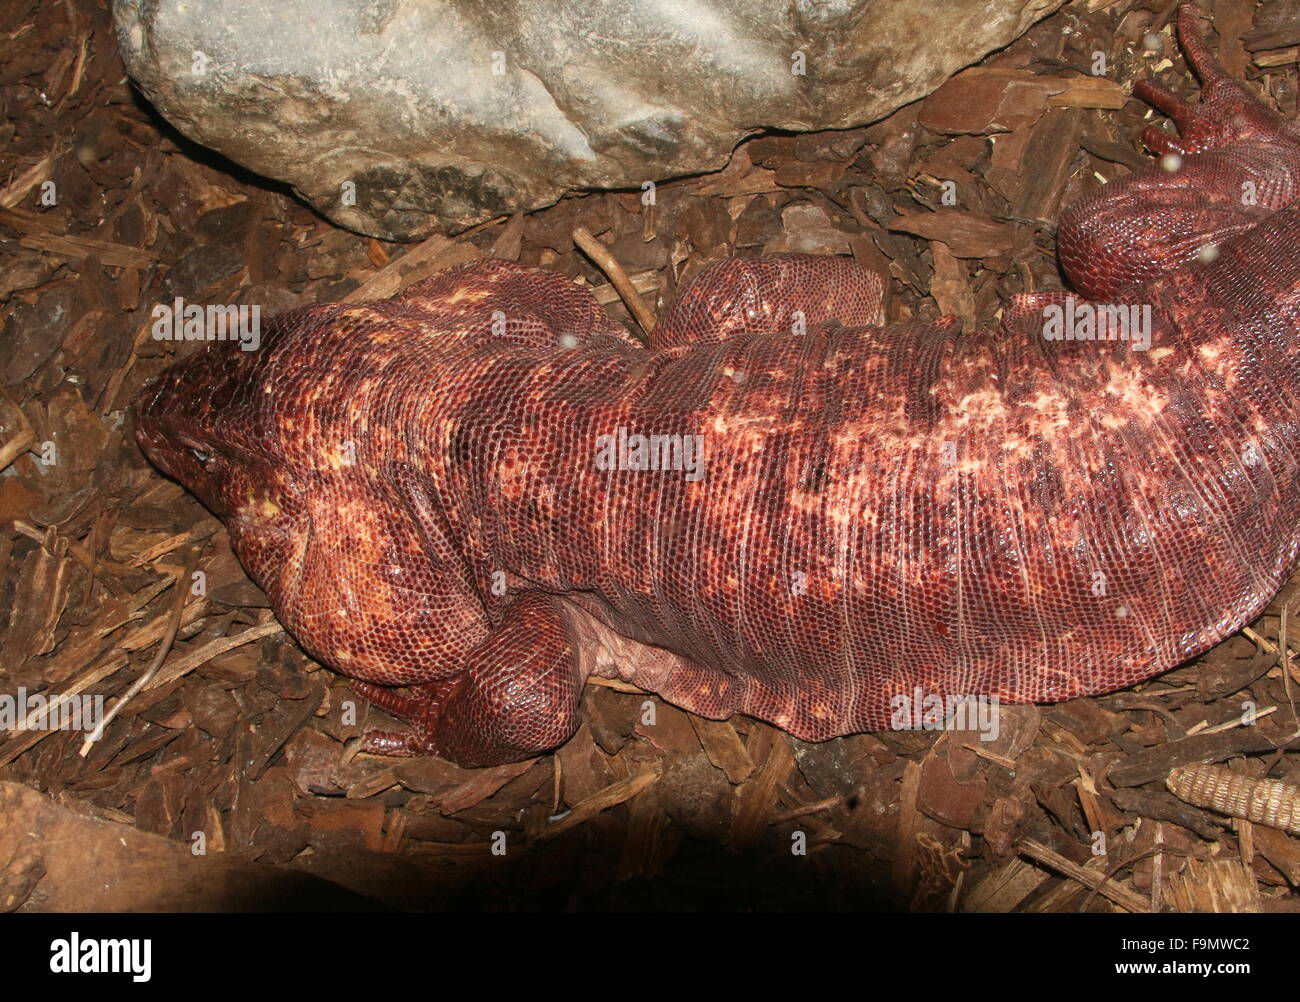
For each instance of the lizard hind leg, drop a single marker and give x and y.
(517, 697)
(1236, 162)
(1227, 111)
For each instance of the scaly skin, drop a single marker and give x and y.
(415, 482)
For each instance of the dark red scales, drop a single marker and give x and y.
(485, 490)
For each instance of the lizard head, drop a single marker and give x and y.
(280, 443)
(188, 426)
(211, 423)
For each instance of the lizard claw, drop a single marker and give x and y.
(1226, 113)
(391, 700)
(420, 709)
(398, 744)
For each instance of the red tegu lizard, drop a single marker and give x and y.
(484, 490)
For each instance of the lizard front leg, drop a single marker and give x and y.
(517, 697)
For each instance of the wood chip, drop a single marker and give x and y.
(433, 255)
(1091, 876)
(966, 234)
(724, 748)
(614, 794)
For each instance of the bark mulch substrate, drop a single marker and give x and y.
(238, 745)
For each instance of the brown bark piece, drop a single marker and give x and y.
(967, 234)
(723, 746)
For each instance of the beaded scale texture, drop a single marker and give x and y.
(444, 490)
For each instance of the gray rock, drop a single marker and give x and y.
(400, 117)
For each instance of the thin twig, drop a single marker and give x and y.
(1089, 877)
(607, 263)
(173, 625)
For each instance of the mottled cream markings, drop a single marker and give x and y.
(945, 500)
